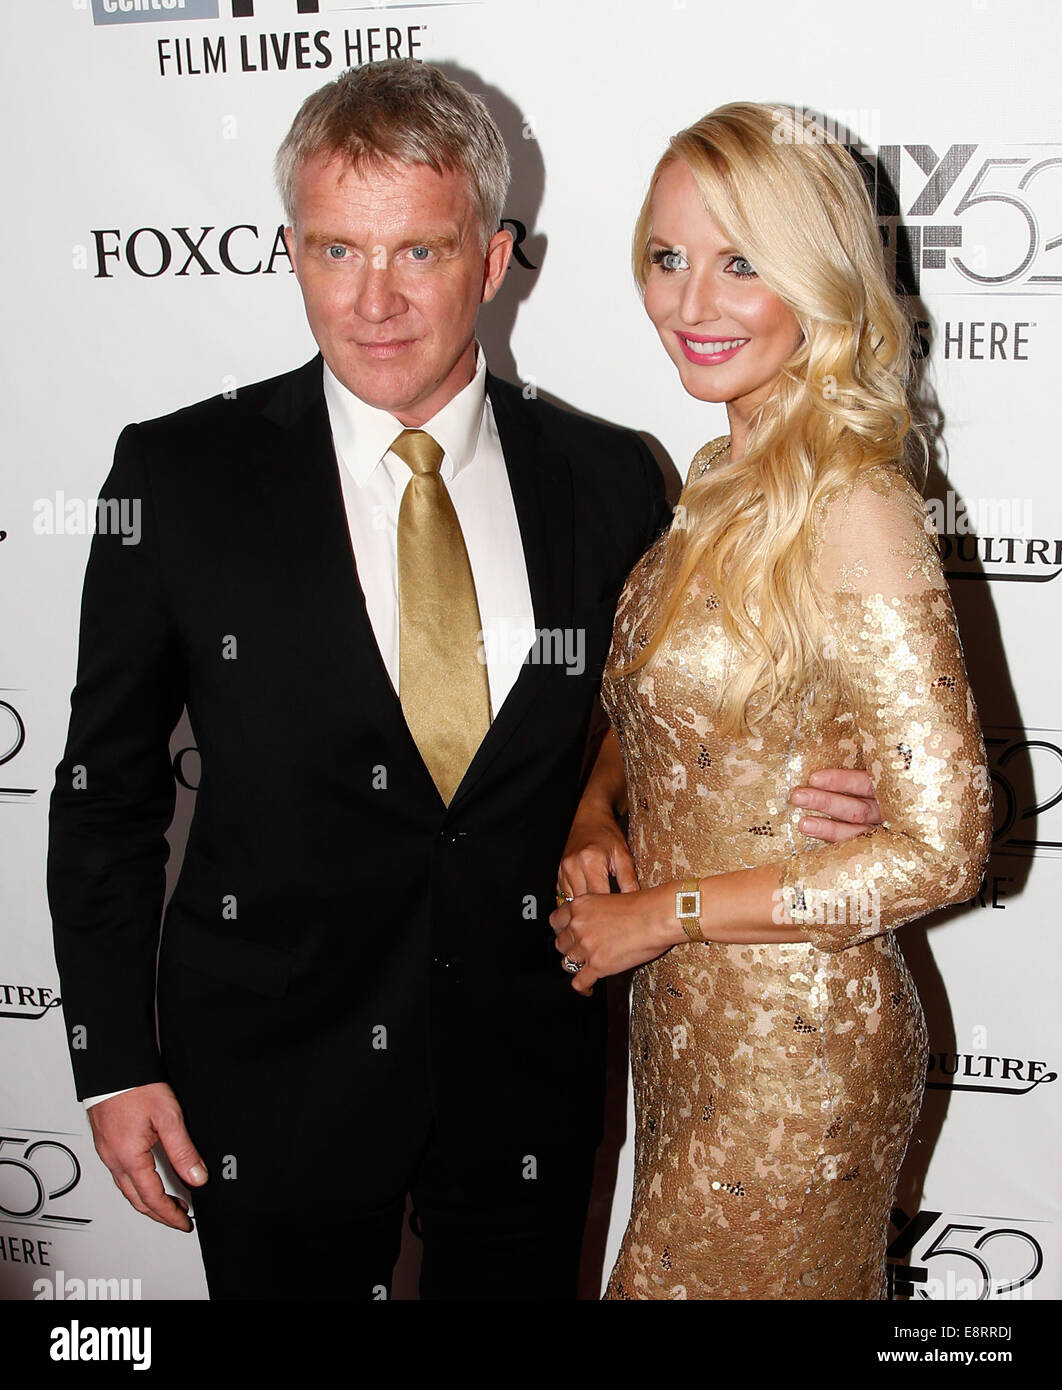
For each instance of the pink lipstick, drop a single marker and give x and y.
(719, 349)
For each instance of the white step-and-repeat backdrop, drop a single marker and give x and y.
(146, 271)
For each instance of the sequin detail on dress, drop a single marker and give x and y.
(776, 1087)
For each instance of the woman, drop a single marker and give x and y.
(794, 616)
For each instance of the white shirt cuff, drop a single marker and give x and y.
(89, 1101)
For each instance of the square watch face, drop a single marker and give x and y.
(689, 905)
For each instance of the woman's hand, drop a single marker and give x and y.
(613, 932)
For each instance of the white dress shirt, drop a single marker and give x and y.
(473, 467)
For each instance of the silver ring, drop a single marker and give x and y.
(572, 966)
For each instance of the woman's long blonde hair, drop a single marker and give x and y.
(793, 202)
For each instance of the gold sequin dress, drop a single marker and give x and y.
(776, 1086)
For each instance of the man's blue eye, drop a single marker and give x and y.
(420, 253)
(337, 252)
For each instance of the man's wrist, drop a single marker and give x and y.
(598, 806)
(89, 1101)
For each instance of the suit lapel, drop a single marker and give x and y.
(304, 499)
(541, 484)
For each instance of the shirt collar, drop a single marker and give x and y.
(363, 433)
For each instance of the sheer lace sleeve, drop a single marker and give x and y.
(913, 726)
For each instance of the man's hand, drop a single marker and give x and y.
(845, 797)
(126, 1128)
(595, 849)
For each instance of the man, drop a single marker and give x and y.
(357, 992)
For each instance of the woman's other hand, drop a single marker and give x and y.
(609, 933)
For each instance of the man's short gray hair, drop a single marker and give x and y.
(405, 111)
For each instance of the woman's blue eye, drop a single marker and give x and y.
(668, 260)
(741, 268)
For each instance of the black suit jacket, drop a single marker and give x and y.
(344, 958)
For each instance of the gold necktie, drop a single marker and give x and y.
(442, 676)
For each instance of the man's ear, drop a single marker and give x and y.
(496, 263)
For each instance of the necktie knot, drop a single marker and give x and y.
(418, 450)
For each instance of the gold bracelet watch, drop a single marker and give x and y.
(688, 908)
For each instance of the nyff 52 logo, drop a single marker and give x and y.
(12, 742)
(970, 219)
(38, 1171)
(1028, 821)
(943, 1256)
